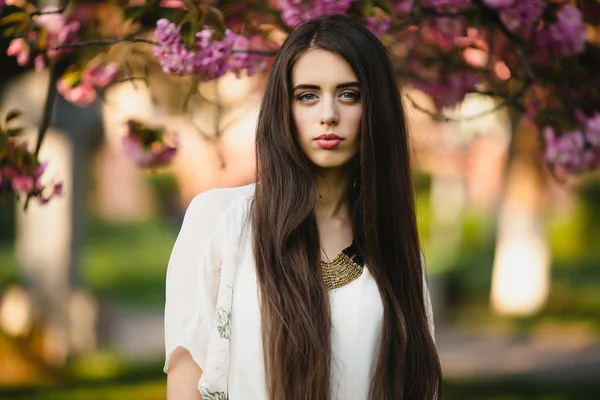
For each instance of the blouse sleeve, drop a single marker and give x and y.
(427, 297)
(190, 273)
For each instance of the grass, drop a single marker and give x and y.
(122, 262)
(152, 387)
(127, 262)
(519, 389)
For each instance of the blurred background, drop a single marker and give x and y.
(512, 253)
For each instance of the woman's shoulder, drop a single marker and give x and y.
(211, 207)
(223, 197)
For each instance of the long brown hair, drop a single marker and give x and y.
(296, 322)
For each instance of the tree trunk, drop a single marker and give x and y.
(521, 270)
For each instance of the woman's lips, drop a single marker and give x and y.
(328, 141)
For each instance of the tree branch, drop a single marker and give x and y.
(419, 14)
(508, 101)
(47, 115)
(48, 106)
(103, 42)
(259, 52)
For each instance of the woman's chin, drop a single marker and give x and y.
(330, 163)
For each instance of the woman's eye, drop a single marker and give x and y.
(350, 96)
(307, 97)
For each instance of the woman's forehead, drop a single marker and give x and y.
(322, 67)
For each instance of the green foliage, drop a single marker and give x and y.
(127, 262)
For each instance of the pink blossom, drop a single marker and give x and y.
(442, 31)
(57, 190)
(563, 38)
(163, 3)
(474, 37)
(294, 12)
(447, 5)
(569, 151)
(39, 63)
(22, 173)
(253, 63)
(518, 16)
(82, 95)
(592, 130)
(208, 58)
(98, 75)
(67, 35)
(378, 26)
(239, 60)
(171, 52)
(475, 57)
(23, 184)
(60, 30)
(173, 4)
(19, 48)
(39, 170)
(154, 157)
(477, 53)
(51, 20)
(402, 8)
(84, 12)
(502, 71)
(568, 33)
(451, 92)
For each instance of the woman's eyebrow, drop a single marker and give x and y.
(317, 87)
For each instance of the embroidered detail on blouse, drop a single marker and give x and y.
(208, 395)
(223, 322)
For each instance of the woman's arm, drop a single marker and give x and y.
(183, 376)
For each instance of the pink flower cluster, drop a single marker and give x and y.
(563, 38)
(378, 26)
(163, 3)
(447, 6)
(451, 91)
(560, 38)
(95, 76)
(57, 31)
(402, 8)
(20, 173)
(575, 151)
(294, 12)
(53, 30)
(147, 147)
(443, 31)
(208, 58)
(519, 17)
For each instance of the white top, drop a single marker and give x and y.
(217, 224)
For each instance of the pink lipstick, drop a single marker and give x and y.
(328, 141)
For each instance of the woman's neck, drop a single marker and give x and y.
(332, 190)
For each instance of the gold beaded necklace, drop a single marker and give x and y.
(343, 269)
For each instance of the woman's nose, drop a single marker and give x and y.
(329, 113)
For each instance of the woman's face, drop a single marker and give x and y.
(326, 107)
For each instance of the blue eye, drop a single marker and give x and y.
(307, 97)
(350, 95)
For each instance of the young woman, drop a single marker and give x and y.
(309, 285)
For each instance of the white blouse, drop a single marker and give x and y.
(221, 326)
